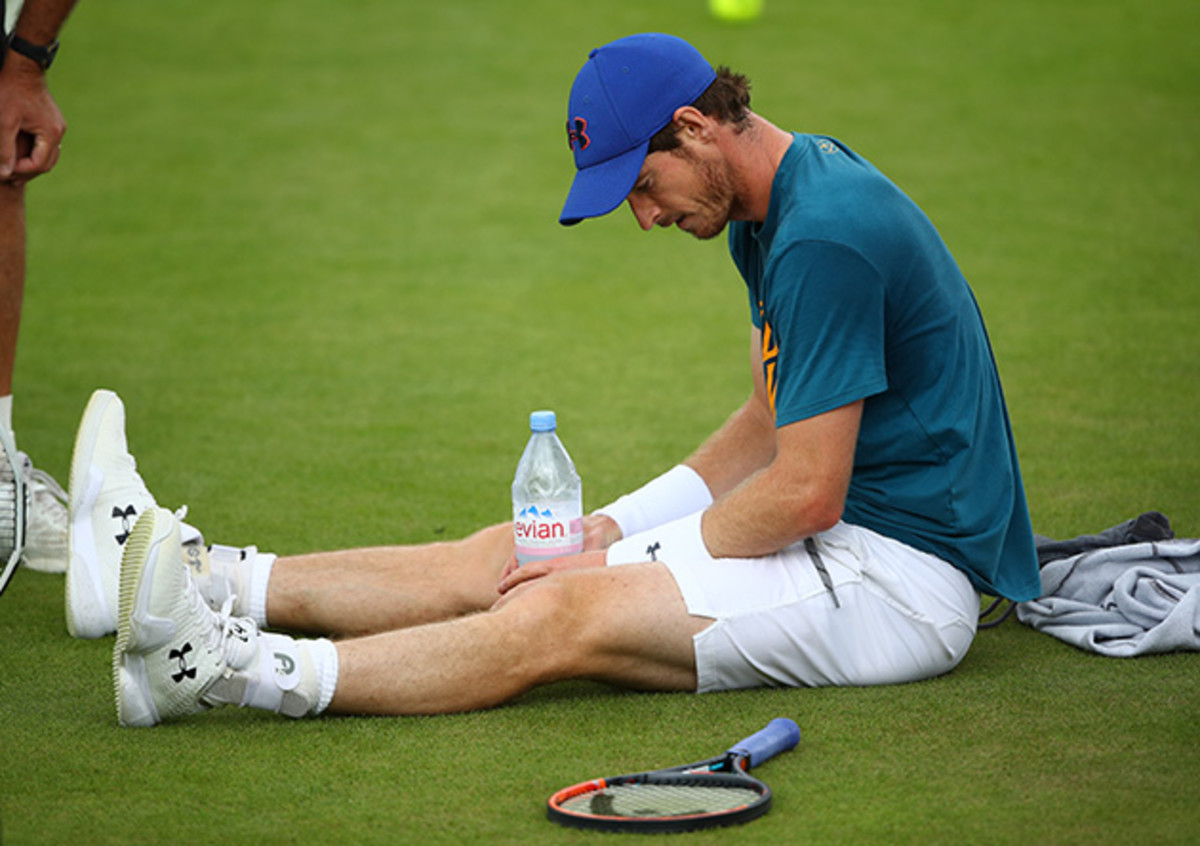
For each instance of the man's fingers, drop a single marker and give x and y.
(520, 575)
(41, 157)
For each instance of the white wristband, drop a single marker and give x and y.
(678, 492)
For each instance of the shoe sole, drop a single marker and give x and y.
(88, 611)
(131, 686)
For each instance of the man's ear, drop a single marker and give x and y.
(691, 122)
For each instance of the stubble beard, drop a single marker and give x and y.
(717, 199)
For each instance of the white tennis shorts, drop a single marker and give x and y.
(846, 607)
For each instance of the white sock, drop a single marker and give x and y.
(6, 413)
(260, 574)
(224, 571)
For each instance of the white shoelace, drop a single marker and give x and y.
(227, 627)
(232, 636)
(34, 475)
(220, 622)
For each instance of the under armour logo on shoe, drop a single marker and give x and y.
(185, 671)
(124, 515)
(652, 550)
(236, 629)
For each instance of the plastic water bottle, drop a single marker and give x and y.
(547, 496)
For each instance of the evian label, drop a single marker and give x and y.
(547, 530)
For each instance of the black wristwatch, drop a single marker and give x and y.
(43, 56)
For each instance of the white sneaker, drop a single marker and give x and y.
(171, 647)
(45, 521)
(107, 495)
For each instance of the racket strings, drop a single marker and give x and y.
(662, 800)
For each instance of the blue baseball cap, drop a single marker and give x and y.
(624, 94)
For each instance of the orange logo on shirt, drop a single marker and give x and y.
(770, 358)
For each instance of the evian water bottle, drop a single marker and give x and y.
(547, 496)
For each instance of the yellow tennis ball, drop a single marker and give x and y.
(735, 10)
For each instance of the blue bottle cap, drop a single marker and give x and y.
(542, 421)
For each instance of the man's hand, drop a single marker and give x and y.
(514, 576)
(31, 125)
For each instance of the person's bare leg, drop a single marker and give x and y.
(12, 277)
(624, 625)
(362, 591)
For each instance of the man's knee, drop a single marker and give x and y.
(490, 546)
(611, 624)
(546, 607)
(553, 619)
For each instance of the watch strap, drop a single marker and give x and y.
(42, 55)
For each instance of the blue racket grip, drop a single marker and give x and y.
(779, 735)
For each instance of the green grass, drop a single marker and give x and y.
(314, 248)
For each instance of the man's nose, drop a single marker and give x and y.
(644, 210)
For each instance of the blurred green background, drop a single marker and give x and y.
(314, 247)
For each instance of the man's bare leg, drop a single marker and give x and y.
(624, 625)
(12, 290)
(12, 277)
(364, 591)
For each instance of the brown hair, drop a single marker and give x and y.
(727, 99)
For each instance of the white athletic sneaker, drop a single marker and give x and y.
(107, 495)
(36, 533)
(171, 647)
(45, 521)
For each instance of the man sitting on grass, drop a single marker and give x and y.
(836, 530)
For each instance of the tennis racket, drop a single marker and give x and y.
(705, 794)
(14, 500)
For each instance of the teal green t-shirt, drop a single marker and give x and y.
(858, 298)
